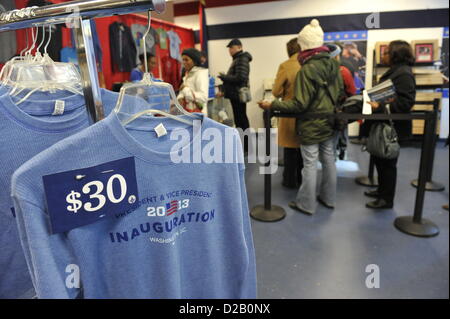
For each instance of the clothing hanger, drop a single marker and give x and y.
(147, 83)
(5, 72)
(42, 73)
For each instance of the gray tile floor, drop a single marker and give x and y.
(325, 256)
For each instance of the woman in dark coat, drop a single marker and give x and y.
(399, 56)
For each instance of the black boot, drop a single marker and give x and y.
(380, 204)
(374, 194)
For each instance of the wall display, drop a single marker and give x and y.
(426, 51)
(354, 52)
(380, 48)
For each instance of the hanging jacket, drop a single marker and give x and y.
(238, 75)
(123, 48)
(311, 97)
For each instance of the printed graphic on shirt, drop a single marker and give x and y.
(82, 197)
(168, 215)
(138, 32)
(162, 38)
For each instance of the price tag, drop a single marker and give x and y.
(84, 196)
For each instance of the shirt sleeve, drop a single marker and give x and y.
(249, 286)
(349, 83)
(304, 94)
(249, 283)
(135, 76)
(201, 89)
(49, 257)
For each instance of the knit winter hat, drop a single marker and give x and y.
(195, 55)
(311, 36)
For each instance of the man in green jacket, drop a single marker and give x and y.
(317, 89)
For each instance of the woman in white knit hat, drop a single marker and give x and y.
(317, 89)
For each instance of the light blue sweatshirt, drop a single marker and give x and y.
(203, 249)
(26, 130)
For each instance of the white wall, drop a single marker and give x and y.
(267, 52)
(305, 8)
(190, 22)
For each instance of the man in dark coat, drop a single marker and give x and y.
(236, 78)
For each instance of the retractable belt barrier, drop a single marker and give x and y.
(413, 225)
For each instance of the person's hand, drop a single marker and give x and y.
(356, 53)
(375, 105)
(265, 105)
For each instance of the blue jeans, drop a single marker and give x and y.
(306, 197)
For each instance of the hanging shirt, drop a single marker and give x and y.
(138, 31)
(136, 75)
(187, 235)
(25, 131)
(162, 34)
(175, 43)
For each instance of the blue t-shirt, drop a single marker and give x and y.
(203, 249)
(26, 130)
(136, 75)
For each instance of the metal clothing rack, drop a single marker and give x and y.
(79, 13)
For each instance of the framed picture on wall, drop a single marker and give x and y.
(380, 48)
(426, 51)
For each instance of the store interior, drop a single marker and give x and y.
(330, 254)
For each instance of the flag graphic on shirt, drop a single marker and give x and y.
(172, 207)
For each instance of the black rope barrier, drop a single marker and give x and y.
(415, 225)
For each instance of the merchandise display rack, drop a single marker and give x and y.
(78, 14)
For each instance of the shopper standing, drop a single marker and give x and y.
(287, 136)
(317, 89)
(138, 73)
(195, 88)
(399, 56)
(236, 78)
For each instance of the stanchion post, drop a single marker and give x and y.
(268, 177)
(268, 212)
(415, 225)
(370, 180)
(430, 184)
